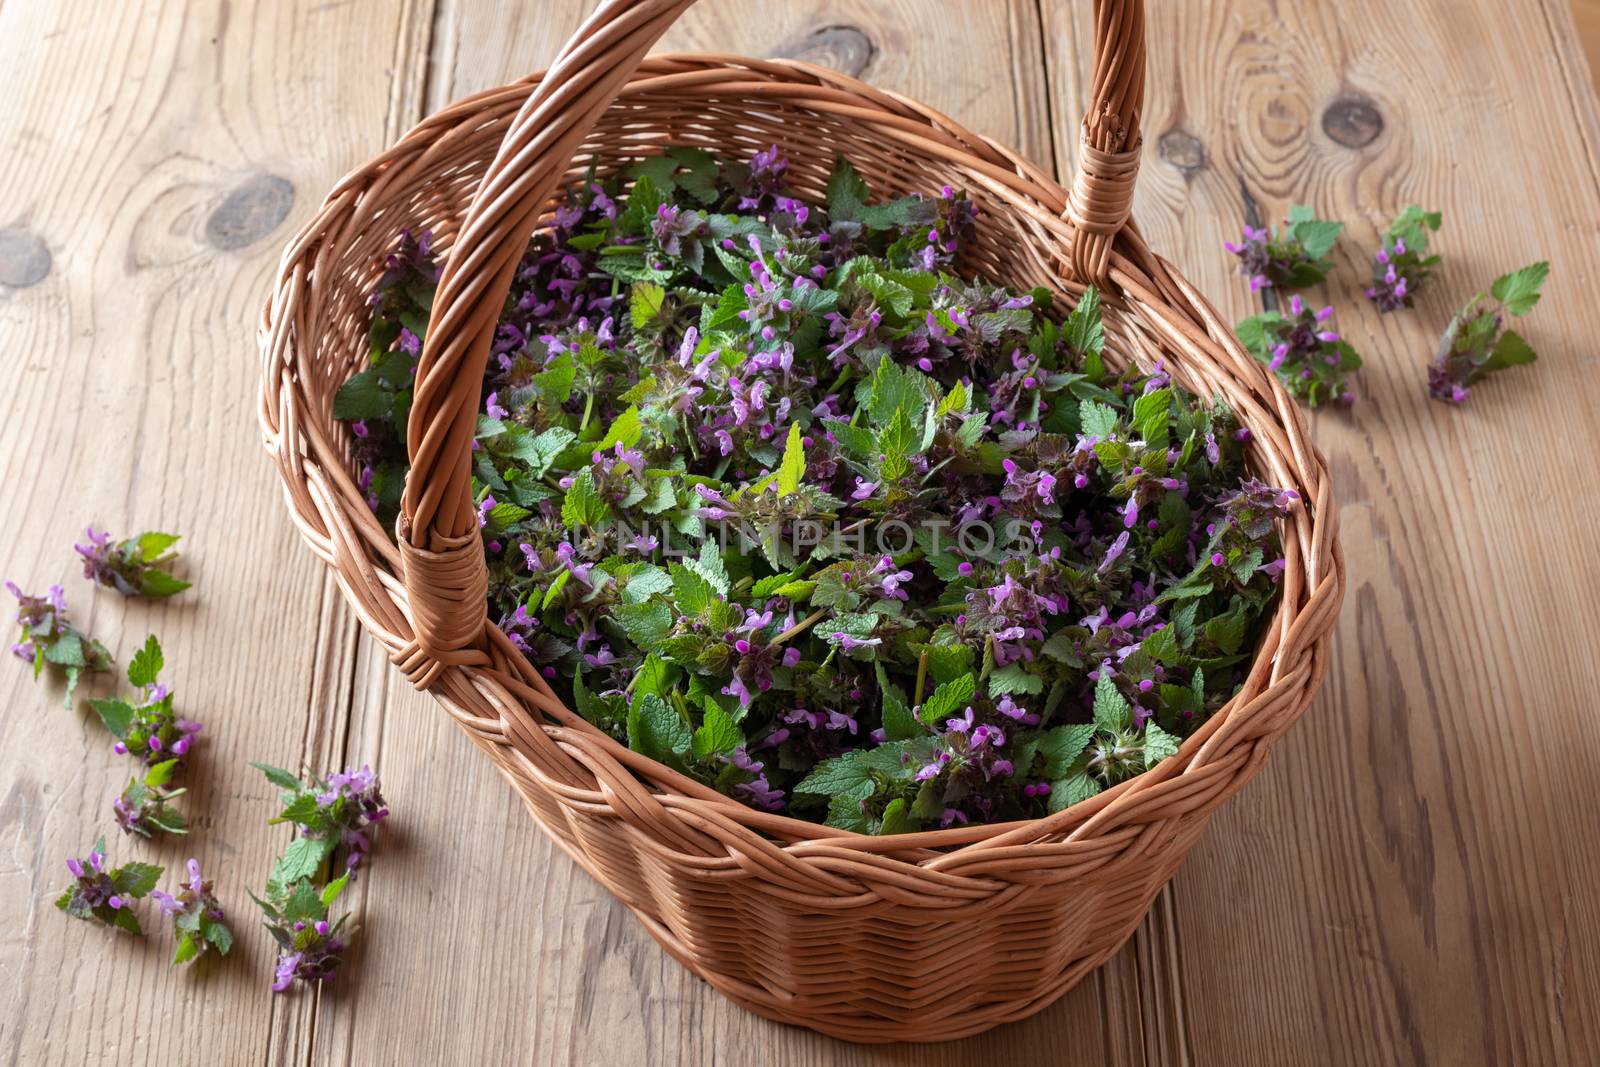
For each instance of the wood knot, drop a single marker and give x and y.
(249, 212)
(24, 259)
(1183, 150)
(1352, 120)
(846, 49)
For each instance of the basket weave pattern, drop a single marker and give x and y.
(923, 936)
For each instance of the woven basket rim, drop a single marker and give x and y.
(697, 803)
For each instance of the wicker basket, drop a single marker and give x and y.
(928, 936)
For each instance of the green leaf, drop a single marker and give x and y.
(1013, 678)
(1228, 631)
(948, 699)
(1083, 330)
(1519, 290)
(655, 675)
(1112, 711)
(540, 452)
(153, 544)
(135, 879)
(125, 919)
(66, 650)
(1151, 414)
(1158, 745)
(848, 192)
(279, 777)
(331, 891)
(710, 567)
(646, 583)
(1072, 789)
(1509, 351)
(644, 303)
(188, 949)
(793, 468)
(1316, 235)
(896, 388)
(158, 583)
(160, 774)
(118, 715)
(554, 590)
(583, 505)
(719, 733)
(304, 903)
(302, 859)
(625, 430)
(219, 935)
(841, 776)
(896, 819)
(1257, 334)
(691, 591)
(656, 730)
(1061, 746)
(1097, 419)
(363, 396)
(646, 625)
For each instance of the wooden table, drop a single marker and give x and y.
(1411, 880)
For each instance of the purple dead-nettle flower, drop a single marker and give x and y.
(1403, 264)
(198, 920)
(150, 729)
(311, 948)
(48, 637)
(107, 894)
(345, 809)
(1477, 344)
(1304, 351)
(144, 807)
(1293, 258)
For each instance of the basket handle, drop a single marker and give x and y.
(442, 562)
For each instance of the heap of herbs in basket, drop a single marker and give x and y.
(795, 510)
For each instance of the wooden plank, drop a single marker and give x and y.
(1406, 881)
(1586, 18)
(155, 158)
(494, 947)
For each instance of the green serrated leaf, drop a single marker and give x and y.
(302, 859)
(948, 699)
(657, 731)
(279, 777)
(1519, 290)
(1112, 711)
(1158, 745)
(718, 734)
(118, 715)
(793, 468)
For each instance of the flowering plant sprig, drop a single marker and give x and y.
(1294, 258)
(345, 809)
(144, 806)
(198, 921)
(150, 729)
(783, 501)
(47, 637)
(310, 948)
(135, 567)
(107, 896)
(1309, 357)
(1476, 343)
(1403, 263)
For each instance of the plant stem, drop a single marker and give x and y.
(800, 627)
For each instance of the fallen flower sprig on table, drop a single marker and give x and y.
(150, 729)
(1311, 360)
(1294, 258)
(346, 809)
(47, 637)
(1476, 342)
(310, 948)
(134, 567)
(199, 923)
(144, 808)
(1403, 263)
(106, 895)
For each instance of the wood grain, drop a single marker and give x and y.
(1411, 879)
